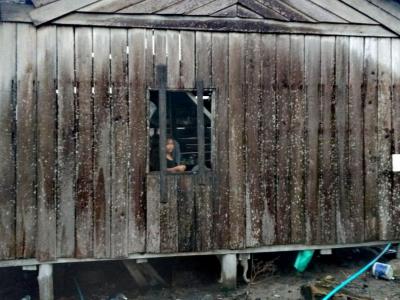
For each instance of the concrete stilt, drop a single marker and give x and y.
(244, 262)
(228, 270)
(45, 280)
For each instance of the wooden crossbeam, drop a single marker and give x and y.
(262, 10)
(108, 6)
(39, 3)
(377, 14)
(57, 9)
(183, 7)
(222, 24)
(148, 6)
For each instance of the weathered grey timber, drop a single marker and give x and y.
(304, 119)
(56, 9)
(217, 24)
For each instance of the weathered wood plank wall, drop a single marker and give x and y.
(66, 140)
(102, 143)
(7, 163)
(46, 60)
(304, 127)
(25, 136)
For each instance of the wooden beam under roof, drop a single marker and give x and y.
(261, 9)
(390, 6)
(314, 11)
(230, 11)
(344, 11)
(38, 3)
(211, 7)
(243, 12)
(376, 13)
(57, 9)
(221, 24)
(10, 12)
(148, 6)
(183, 7)
(287, 11)
(108, 6)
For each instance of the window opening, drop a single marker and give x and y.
(182, 131)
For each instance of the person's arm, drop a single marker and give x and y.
(177, 169)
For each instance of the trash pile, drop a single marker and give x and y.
(321, 288)
(329, 288)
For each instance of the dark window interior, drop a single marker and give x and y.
(181, 126)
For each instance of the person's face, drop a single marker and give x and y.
(170, 146)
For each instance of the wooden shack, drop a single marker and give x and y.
(297, 103)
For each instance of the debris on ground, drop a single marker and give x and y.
(395, 263)
(196, 278)
(262, 267)
(382, 271)
(321, 288)
(119, 296)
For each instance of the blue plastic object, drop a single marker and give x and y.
(303, 259)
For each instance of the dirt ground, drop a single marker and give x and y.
(196, 279)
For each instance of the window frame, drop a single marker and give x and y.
(211, 92)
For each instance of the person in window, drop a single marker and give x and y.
(173, 165)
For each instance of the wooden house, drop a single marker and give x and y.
(286, 113)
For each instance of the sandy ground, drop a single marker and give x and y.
(196, 279)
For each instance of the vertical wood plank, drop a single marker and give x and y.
(119, 144)
(186, 214)
(312, 75)
(138, 140)
(283, 138)
(169, 217)
(221, 145)
(204, 210)
(268, 128)
(102, 143)
(149, 63)
(384, 138)
(66, 139)
(254, 202)
(161, 73)
(188, 60)
(46, 134)
(236, 137)
(160, 50)
(173, 63)
(7, 164)
(84, 184)
(356, 171)
(298, 116)
(203, 58)
(370, 139)
(327, 186)
(342, 127)
(396, 134)
(200, 128)
(153, 242)
(153, 214)
(25, 142)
